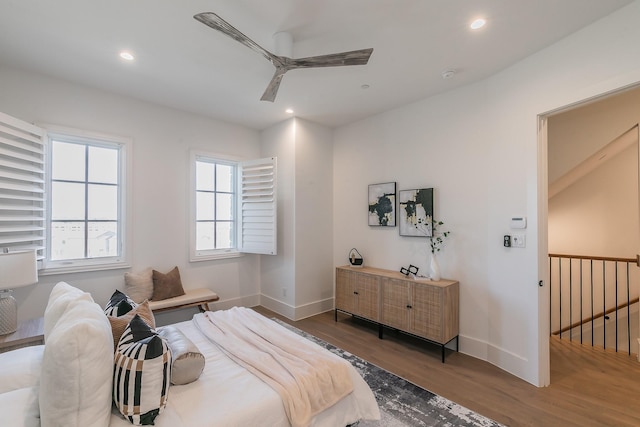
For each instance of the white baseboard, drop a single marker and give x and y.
(246, 301)
(500, 357)
(311, 309)
(296, 313)
(278, 306)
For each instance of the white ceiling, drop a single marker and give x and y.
(184, 64)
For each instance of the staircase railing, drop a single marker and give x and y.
(592, 297)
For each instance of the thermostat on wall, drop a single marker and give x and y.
(519, 222)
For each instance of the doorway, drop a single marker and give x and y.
(569, 138)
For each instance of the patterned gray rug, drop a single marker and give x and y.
(402, 403)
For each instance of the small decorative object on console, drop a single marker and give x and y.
(413, 270)
(355, 261)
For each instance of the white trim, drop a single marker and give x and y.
(78, 268)
(278, 306)
(245, 301)
(296, 312)
(544, 361)
(125, 168)
(213, 254)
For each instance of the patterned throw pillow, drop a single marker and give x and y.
(119, 304)
(142, 373)
(120, 323)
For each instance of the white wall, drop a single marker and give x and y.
(576, 134)
(278, 271)
(314, 220)
(598, 215)
(303, 268)
(478, 147)
(161, 141)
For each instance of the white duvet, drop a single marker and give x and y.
(228, 395)
(307, 380)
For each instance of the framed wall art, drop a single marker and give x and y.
(416, 212)
(382, 204)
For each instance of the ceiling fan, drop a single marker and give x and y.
(283, 63)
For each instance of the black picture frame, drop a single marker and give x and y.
(416, 208)
(382, 205)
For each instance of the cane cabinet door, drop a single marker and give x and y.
(395, 303)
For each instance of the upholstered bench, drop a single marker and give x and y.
(192, 298)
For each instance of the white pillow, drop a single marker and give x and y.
(19, 408)
(20, 368)
(62, 295)
(139, 286)
(77, 369)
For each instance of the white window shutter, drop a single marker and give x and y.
(22, 186)
(258, 207)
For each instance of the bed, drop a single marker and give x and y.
(224, 394)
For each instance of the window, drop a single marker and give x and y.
(63, 194)
(233, 207)
(86, 187)
(215, 205)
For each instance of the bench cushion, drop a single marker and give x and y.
(191, 297)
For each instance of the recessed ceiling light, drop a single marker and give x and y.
(478, 23)
(288, 111)
(127, 56)
(448, 74)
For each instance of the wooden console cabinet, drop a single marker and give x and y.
(419, 307)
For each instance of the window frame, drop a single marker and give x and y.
(210, 254)
(88, 138)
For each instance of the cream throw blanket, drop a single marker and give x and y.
(309, 379)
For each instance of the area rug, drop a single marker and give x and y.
(402, 403)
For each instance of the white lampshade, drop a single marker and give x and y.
(17, 269)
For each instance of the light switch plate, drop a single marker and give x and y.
(518, 241)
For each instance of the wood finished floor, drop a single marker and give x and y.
(588, 386)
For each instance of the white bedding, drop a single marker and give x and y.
(226, 394)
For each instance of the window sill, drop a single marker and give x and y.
(78, 268)
(220, 255)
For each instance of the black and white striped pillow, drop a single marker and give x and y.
(119, 304)
(142, 373)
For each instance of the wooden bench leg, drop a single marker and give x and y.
(203, 307)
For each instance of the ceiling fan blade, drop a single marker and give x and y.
(272, 90)
(214, 21)
(283, 63)
(354, 57)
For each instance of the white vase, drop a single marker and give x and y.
(434, 268)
